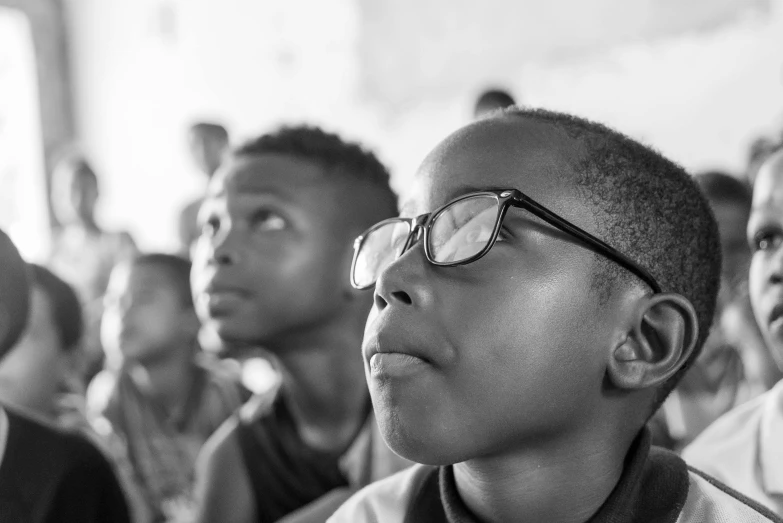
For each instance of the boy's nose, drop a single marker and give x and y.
(404, 281)
(226, 251)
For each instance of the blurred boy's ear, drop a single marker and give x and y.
(662, 338)
(14, 294)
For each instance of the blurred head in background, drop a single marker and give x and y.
(149, 314)
(490, 101)
(207, 142)
(43, 361)
(74, 192)
(730, 199)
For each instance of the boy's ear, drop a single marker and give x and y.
(661, 339)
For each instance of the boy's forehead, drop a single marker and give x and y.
(265, 173)
(142, 275)
(500, 153)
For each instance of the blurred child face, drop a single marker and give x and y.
(273, 257)
(509, 351)
(75, 195)
(765, 236)
(144, 318)
(38, 363)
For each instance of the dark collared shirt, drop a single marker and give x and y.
(656, 486)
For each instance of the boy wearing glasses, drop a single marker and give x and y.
(552, 284)
(271, 269)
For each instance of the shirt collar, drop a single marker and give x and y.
(652, 488)
(770, 436)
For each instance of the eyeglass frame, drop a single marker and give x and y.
(506, 198)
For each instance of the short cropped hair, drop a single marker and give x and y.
(719, 186)
(493, 99)
(65, 306)
(211, 129)
(176, 270)
(650, 209)
(327, 150)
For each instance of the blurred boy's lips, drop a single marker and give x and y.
(776, 313)
(221, 289)
(223, 301)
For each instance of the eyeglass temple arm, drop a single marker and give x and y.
(596, 243)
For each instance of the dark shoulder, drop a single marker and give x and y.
(48, 446)
(51, 464)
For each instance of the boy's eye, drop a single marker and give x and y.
(766, 240)
(266, 221)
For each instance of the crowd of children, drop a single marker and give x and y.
(550, 306)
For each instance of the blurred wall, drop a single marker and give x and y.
(697, 79)
(54, 94)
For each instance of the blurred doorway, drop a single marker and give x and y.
(24, 210)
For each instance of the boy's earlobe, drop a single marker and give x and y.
(660, 341)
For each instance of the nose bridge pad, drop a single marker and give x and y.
(417, 232)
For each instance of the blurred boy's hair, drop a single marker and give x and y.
(175, 268)
(336, 156)
(65, 305)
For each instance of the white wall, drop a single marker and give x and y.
(697, 79)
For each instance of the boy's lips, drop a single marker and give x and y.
(393, 360)
(222, 298)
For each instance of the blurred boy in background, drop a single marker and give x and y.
(45, 475)
(83, 253)
(40, 368)
(160, 395)
(735, 364)
(744, 448)
(490, 101)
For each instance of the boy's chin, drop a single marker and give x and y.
(414, 442)
(230, 332)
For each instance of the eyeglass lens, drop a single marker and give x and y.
(379, 248)
(463, 229)
(458, 232)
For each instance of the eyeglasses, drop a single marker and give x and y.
(461, 232)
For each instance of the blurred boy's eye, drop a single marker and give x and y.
(765, 240)
(265, 221)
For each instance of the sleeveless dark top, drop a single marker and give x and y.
(285, 473)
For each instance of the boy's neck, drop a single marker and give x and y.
(171, 378)
(558, 483)
(325, 388)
